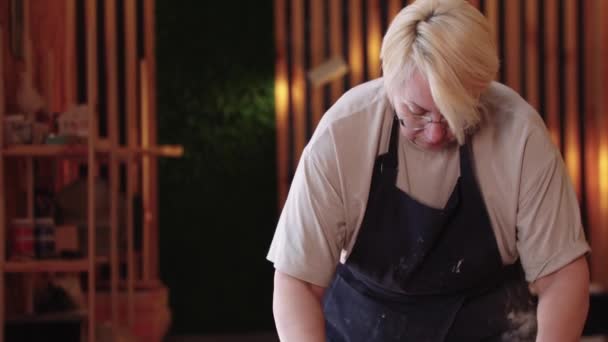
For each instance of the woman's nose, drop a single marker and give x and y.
(435, 132)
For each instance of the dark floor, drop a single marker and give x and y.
(271, 337)
(254, 337)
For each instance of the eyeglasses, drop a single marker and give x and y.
(418, 122)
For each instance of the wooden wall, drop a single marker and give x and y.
(553, 52)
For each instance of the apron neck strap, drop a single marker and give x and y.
(391, 160)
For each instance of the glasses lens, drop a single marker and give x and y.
(414, 122)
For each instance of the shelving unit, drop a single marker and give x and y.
(80, 151)
(129, 62)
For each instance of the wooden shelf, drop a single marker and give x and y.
(51, 265)
(68, 316)
(81, 150)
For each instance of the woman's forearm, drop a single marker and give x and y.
(563, 303)
(298, 313)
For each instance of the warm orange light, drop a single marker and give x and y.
(281, 96)
(573, 164)
(373, 53)
(1, 79)
(603, 178)
(554, 134)
(356, 52)
(145, 104)
(356, 61)
(373, 39)
(394, 6)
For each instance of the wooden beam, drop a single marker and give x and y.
(150, 173)
(131, 64)
(2, 189)
(394, 7)
(70, 62)
(592, 130)
(491, 12)
(475, 3)
(317, 53)
(28, 279)
(512, 45)
(355, 41)
(298, 84)
(91, 46)
(532, 54)
(281, 99)
(148, 213)
(149, 163)
(552, 71)
(336, 45)
(572, 136)
(374, 38)
(111, 62)
(599, 236)
(27, 40)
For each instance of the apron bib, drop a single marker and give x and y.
(418, 273)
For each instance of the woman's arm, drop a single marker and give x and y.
(563, 302)
(298, 313)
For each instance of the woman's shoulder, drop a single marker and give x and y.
(505, 111)
(359, 113)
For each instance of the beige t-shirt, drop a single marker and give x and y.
(529, 197)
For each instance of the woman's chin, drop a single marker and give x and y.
(434, 145)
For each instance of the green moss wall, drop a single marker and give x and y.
(218, 203)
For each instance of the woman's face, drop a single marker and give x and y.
(415, 101)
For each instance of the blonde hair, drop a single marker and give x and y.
(452, 46)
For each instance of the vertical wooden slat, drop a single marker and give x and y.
(112, 116)
(151, 172)
(355, 41)
(49, 82)
(552, 71)
(475, 3)
(572, 143)
(317, 54)
(592, 96)
(70, 53)
(532, 53)
(298, 88)
(146, 181)
(28, 278)
(130, 56)
(512, 47)
(281, 99)
(91, 46)
(492, 15)
(2, 95)
(599, 237)
(150, 165)
(337, 86)
(394, 7)
(69, 77)
(27, 40)
(374, 38)
(2, 190)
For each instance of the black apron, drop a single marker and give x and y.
(418, 273)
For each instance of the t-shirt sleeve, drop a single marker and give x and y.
(549, 230)
(310, 232)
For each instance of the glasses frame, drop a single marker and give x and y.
(426, 118)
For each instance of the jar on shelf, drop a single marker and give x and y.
(21, 242)
(44, 238)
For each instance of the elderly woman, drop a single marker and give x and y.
(431, 204)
